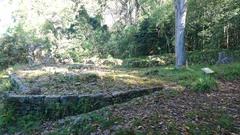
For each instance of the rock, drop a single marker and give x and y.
(36, 99)
(52, 99)
(207, 70)
(69, 99)
(89, 61)
(224, 59)
(53, 107)
(18, 83)
(67, 61)
(10, 98)
(39, 54)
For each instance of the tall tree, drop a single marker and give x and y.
(181, 12)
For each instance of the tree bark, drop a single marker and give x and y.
(181, 12)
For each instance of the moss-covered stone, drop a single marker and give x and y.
(52, 107)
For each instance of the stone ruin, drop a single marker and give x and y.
(224, 59)
(22, 101)
(59, 106)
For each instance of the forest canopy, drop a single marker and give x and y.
(115, 28)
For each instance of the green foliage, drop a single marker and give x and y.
(90, 33)
(192, 77)
(29, 123)
(10, 123)
(13, 48)
(225, 121)
(6, 119)
(211, 24)
(14, 45)
(208, 57)
(228, 72)
(121, 42)
(204, 84)
(152, 35)
(149, 61)
(5, 84)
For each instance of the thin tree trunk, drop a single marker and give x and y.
(181, 12)
(228, 36)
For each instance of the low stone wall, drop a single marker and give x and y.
(53, 107)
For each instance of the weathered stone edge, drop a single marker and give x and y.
(57, 106)
(18, 83)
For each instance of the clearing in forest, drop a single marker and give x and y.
(81, 79)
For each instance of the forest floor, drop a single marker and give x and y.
(194, 103)
(165, 112)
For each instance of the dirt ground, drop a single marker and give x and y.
(169, 112)
(80, 79)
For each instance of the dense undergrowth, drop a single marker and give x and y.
(5, 84)
(208, 57)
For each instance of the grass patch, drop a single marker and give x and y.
(204, 84)
(5, 84)
(225, 121)
(228, 72)
(192, 77)
(10, 123)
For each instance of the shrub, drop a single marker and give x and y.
(204, 84)
(225, 122)
(196, 57)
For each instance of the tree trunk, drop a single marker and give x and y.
(181, 12)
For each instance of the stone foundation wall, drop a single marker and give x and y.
(53, 107)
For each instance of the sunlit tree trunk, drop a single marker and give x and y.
(181, 12)
(136, 11)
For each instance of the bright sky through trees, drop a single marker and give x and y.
(5, 15)
(7, 8)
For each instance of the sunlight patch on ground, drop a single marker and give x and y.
(60, 79)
